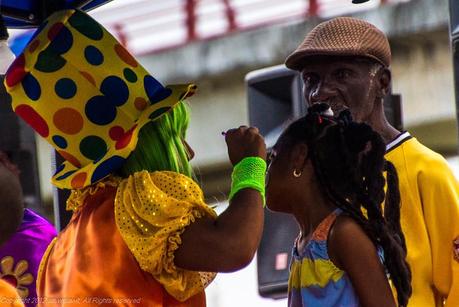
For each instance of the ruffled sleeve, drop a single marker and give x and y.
(151, 212)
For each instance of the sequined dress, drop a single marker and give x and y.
(118, 248)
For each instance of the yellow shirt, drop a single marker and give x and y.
(430, 221)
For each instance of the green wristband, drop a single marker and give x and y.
(250, 172)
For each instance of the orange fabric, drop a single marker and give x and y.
(9, 297)
(321, 232)
(90, 264)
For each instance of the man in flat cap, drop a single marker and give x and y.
(345, 62)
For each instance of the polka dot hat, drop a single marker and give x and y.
(86, 95)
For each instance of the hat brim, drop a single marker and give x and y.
(298, 59)
(68, 176)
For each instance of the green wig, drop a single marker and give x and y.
(160, 145)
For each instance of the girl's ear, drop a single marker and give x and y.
(299, 156)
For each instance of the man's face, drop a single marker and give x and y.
(342, 83)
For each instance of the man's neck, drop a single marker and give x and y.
(380, 124)
(387, 132)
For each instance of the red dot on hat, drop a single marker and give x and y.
(140, 103)
(88, 77)
(54, 30)
(125, 55)
(34, 45)
(34, 119)
(116, 133)
(16, 72)
(79, 180)
(125, 140)
(69, 157)
(68, 120)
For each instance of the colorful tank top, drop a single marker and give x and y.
(314, 279)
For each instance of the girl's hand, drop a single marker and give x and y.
(244, 142)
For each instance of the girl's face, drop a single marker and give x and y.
(278, 180)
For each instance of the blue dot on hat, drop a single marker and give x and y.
(60, 141)
(31, 87)
(48, 62)
(62, 42)
(93, 147)
(155, 91)
(65, 88)
(60, 168)
(86, 25)
(130, 75)
(159, 112)
(107, 167)
(100, 111)
(66, 175)
(115, 89)
(93, 55)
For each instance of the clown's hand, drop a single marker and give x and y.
(244, 142)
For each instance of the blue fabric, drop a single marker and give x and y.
(314, 250)
(340, 293)
(19, 42)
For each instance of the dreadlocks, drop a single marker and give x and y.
(348, 160)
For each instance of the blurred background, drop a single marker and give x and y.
(216, 43)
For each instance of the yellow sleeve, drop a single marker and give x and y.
(439, 192)
(151, 212)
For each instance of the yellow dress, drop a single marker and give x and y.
(119, 245)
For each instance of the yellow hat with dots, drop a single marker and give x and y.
(82, 91)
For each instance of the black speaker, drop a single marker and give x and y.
(274, 98)
(454, 31)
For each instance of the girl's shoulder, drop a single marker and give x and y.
(344, 224)
(347, 240)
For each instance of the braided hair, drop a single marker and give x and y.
(348, 161)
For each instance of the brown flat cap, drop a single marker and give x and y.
(342, 36)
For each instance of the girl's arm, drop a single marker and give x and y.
(352, 251)
(228, 243)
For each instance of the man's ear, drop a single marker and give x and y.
(384, 79)
(299, 156)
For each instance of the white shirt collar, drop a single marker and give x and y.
(400, 138)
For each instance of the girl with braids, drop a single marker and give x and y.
(328, 173)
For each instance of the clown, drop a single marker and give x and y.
(141, 232)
